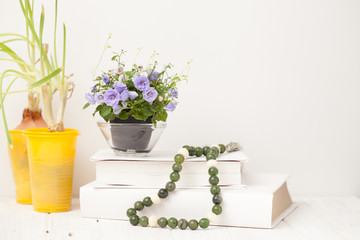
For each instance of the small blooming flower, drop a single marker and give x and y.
(90, 98)
(120, 70)
(124, 104)
(160, 98)
(141, 82)
(119, 86)
(106, 79)
(170, 107)
(150, 95)
(99, 97)
(124, 95)
(112, 97)
(153, 75)
(94, 88)
(173, 92)
(117, 109)
(132, 94)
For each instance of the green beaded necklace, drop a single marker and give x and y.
(211, 154)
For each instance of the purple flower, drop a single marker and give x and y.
(170, 107)
(90, 98)
(120, 70)
(94, 89)
(150, 95)
(112, 97)
(173, 93)
(141, 82)
(99, 97)
(117, 109)
(132, 94)
(124, 104)
(153, 75)
(124, 95)
(119, 86)
(106, 79)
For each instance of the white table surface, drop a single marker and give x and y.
(315, 218)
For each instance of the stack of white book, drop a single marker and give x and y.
(153, 170)
(250, 200)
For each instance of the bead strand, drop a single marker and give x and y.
(211, 153)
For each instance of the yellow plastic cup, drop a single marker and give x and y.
(51, 156)
(20, 166)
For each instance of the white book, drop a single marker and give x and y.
(263, 203)
(154, 169)
(161, 155)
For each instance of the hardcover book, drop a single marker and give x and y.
(263, 203)
(153, 170)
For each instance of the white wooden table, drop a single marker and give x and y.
(315, 218)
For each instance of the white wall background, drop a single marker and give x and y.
(282, 77)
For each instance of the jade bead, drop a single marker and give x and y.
(182, 224)
(215, 189)
(205, 150)
(217, 199)
(170, 186)
(179, 158)
(163, 193)
(162, 222)
(147, 202)
(213, 180)
(144, 221)
(192, 151)
(193, 224)
(217, 209)
(204, 223)
(172, 222)
(222, 148)
(198, 151)
(213, 171)
(187, 147)
(130, 212)
(134, 220)
(176, 167)
(214, 151)
(210, 156)
(139, 205)
(174, 176)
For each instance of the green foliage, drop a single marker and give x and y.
(45, 79)
(86, 105)
(39, 68)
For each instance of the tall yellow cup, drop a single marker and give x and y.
(51, 157)
(20, 166)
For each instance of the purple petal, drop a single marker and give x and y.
(132, 94)
(150, 95)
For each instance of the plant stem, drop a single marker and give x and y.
(3, 110)
(33, 102)
(102, 55)
(47, 101)
(60, 114)
(8, 88)
(136, 56)
(55, 27)
(19, 91)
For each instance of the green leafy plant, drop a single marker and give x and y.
(143, 93)
(41, 70)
